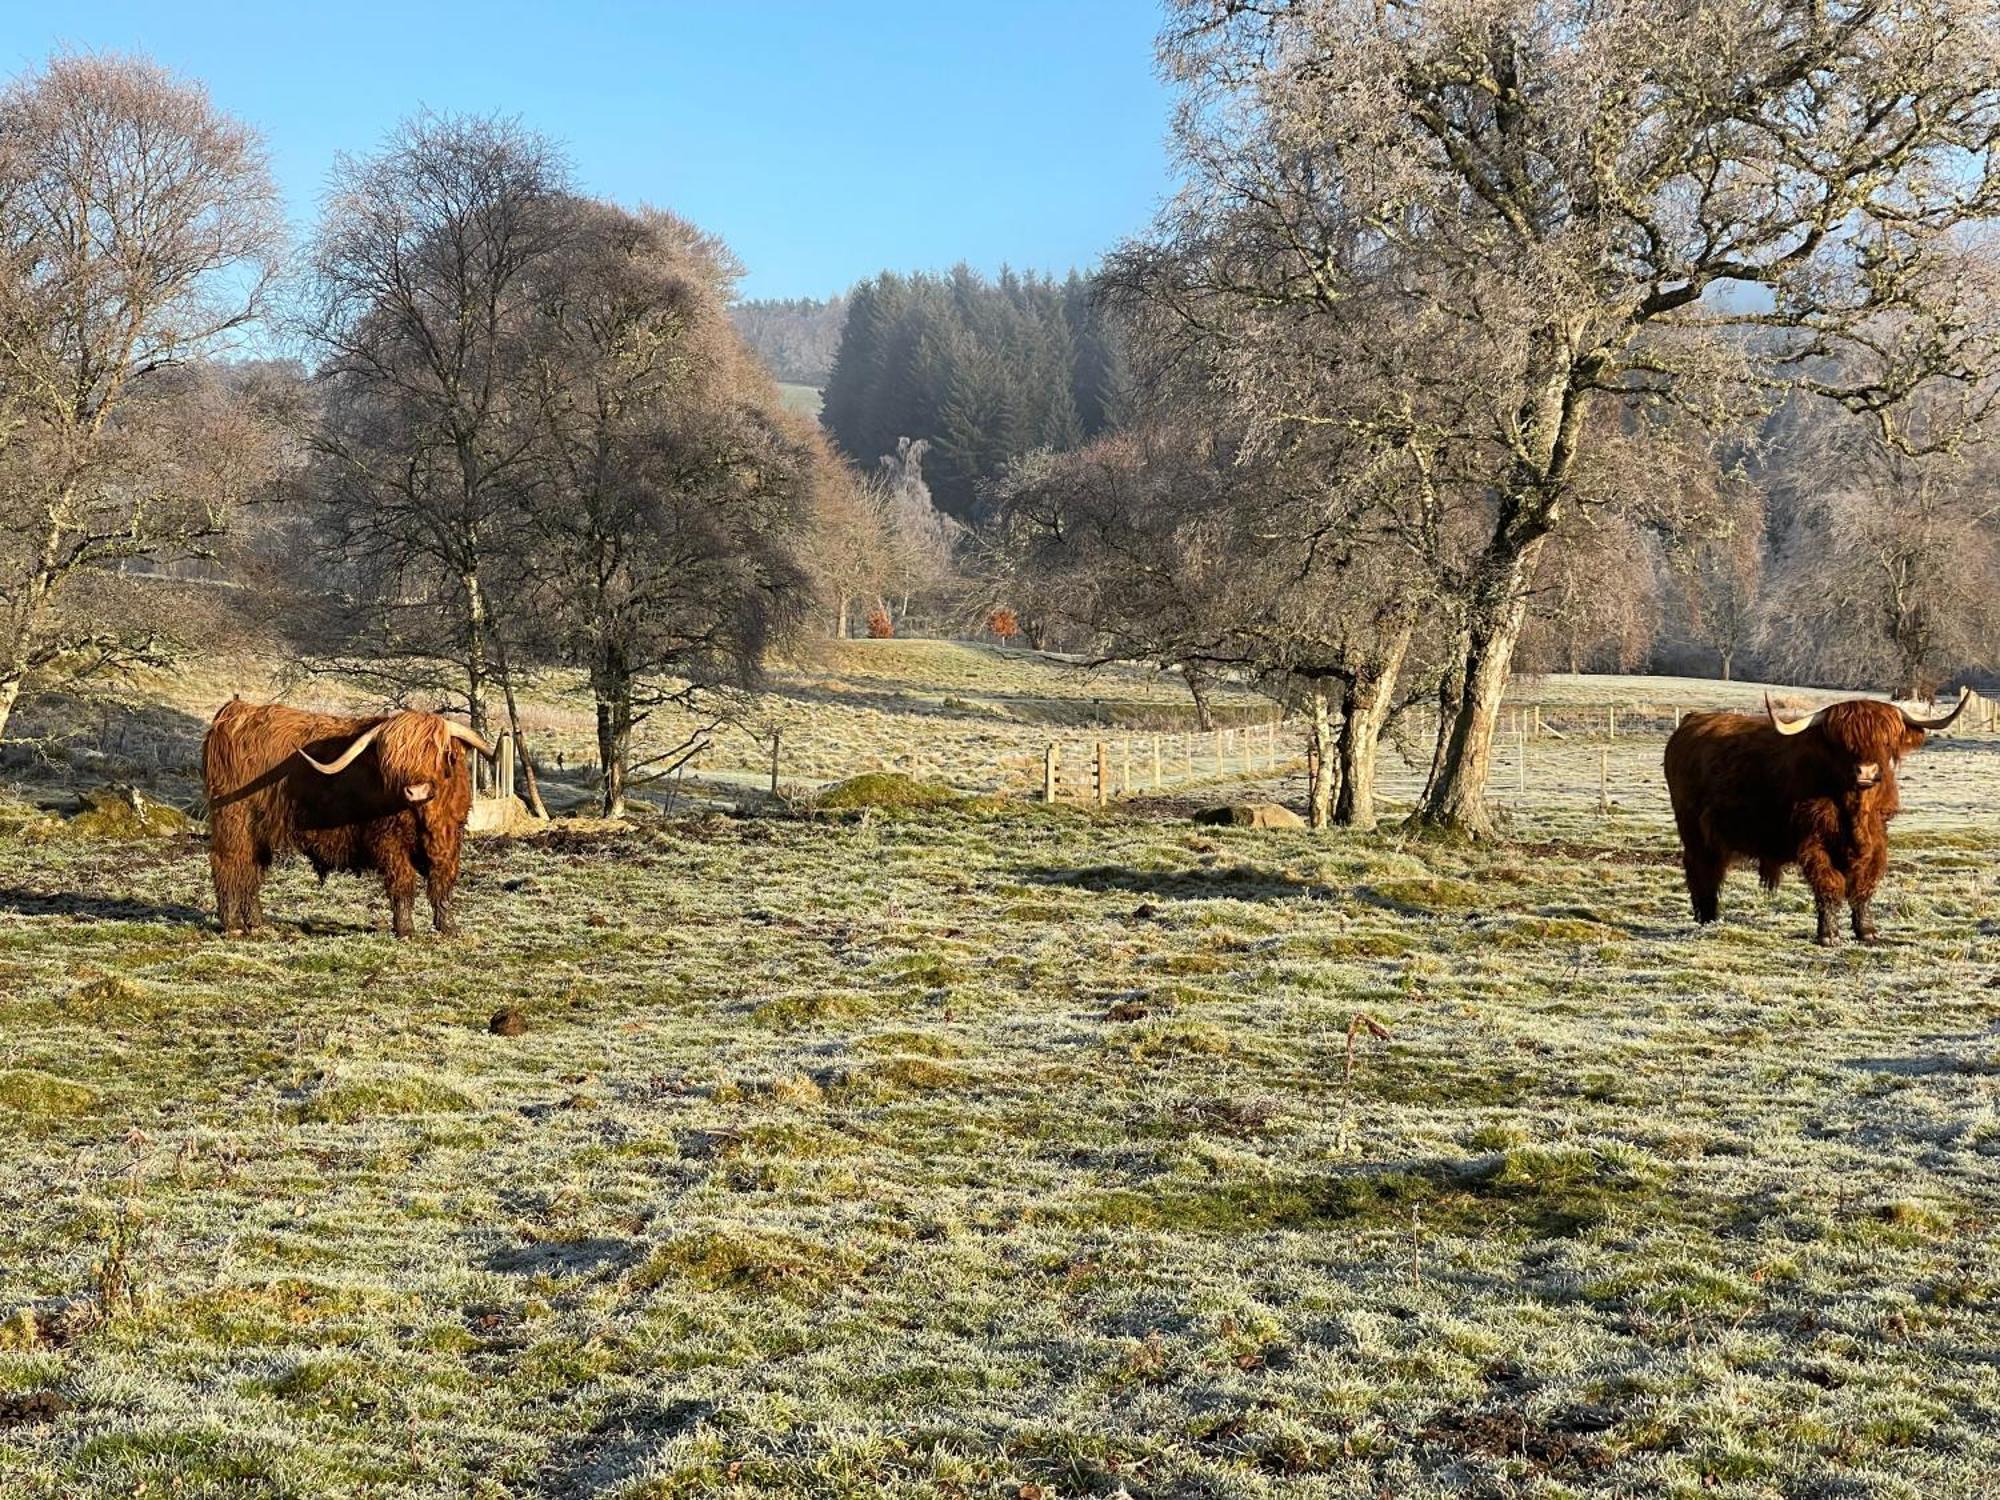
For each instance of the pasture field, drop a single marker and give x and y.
(998, 1150)
(976, 716)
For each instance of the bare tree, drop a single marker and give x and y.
(417, 309)
(1720, 580)
(922, 540)
(139, 232)
(669, 490)
(1595, 600)
(851, 544)
(1890, 575)
(1181, 546)
(1538, 213)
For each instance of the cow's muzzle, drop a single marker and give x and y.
(419, 791)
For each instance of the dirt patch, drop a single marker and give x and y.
(31, 1409)
(1508, 1432)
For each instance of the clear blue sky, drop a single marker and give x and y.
(823, 141)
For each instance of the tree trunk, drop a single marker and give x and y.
(10, 694)
(1451, 693)
(1320, 795)
(612, 686)
(521, 756)
(840, 620)
(1728, 657)
(1456, 799)
(475, 649)
(1365, 706)
(1197, 686)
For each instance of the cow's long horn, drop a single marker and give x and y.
(1789, 726)
(471, 737)
(347, 756)
(1931, 726)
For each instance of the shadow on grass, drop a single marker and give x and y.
(82, 907)
(1224, 883)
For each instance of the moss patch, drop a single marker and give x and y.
(344, 1099)
(124, 814)
(29, 1096)
(889, 791)
(748, 1263)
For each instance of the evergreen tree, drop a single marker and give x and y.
(984, 370)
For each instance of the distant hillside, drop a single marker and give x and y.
(795, 337)
(800, 398)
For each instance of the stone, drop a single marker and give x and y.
(1251, 815)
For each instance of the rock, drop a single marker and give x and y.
(507, 1021)
(1251, 815)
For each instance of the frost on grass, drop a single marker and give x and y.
(998, 1153)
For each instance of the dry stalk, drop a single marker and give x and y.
(1361, 1020)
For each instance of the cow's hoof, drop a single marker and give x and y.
(1827, 940)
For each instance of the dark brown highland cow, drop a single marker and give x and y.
(1816, 792)
(388, 794)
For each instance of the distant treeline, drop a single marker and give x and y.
(795, 337)
(985, 370)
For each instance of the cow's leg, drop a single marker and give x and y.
(253, 898)
(239, 875)
(1705, 871)
(1863, 875)
(440, 893)
(439, 879)
(1829, 888)
(437, 857)
(399, 878)
(227, 868)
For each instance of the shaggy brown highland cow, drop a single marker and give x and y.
(388, 794)
(1815, 792)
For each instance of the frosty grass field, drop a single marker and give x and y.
(1013, 1151)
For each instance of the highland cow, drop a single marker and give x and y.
(387, 794)
(1816, 792)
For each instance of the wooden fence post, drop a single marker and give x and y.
(1049, 772)
(1125, 763)
(1159, 781)
(1103, 774)
(1611, 721)
(774, 762)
